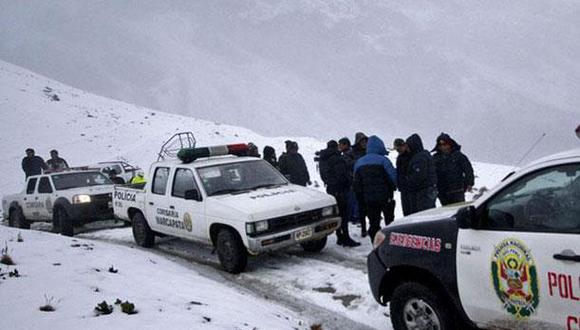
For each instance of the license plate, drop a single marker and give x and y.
(303, 234)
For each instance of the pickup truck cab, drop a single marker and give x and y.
(240, 205)
(509, 260)
(123, 170)
(67, 199)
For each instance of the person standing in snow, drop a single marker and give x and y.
(338, 178)
(270, 156)
(55, 163)
(420, 179)
(253, 150)
(32, 164)
(375, 180)
(293, 166)
(359, 149)
(403, 160)
(139, 178)
(345, 149)
(454, 171)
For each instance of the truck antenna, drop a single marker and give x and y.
(529, 151)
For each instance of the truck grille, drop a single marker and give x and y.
(102, 202)
(292, 221)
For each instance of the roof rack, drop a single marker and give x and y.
(182, 140)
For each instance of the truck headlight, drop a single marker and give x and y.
(328, 211)
(379, 239)
(261, 225)
(81, 199)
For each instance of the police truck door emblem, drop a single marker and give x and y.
(187, 222)
(515, 278)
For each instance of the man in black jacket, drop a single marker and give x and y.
(33, 165)
(336, 175)
(293, 166)
(454, 171)
(403, 160)
(420, 181)
(270, 156)
(55, 163)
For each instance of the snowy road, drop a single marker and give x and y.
(330, 288)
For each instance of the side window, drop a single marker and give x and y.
(183, 182)
(543, 201)
(117, 169)
(44, 186)
(160, 180)
(31, 185)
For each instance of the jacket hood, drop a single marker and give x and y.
(415, 144)
(376, 146)
(359, 137)
(446, 137)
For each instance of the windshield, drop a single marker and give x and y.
(79, 179)
(239, 177)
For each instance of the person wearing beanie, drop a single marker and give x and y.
(454, 171)
(293, 166)
(359, 148)
(270, 156)
(420, 179)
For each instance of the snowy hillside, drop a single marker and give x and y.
(296, 288)
(86, 129)
(496, 74)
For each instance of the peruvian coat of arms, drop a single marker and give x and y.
(515, 278)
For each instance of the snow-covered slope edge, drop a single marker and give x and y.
(74, 275)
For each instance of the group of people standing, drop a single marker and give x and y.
(363, 180)
(34, 165)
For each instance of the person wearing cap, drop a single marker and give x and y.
(139, 178)
(293, 166)
(420, 179)
(32, 164)
(55, 163)
(114, 178)
(337, 177)
(375, 180)
(403, 160)
(454, 170)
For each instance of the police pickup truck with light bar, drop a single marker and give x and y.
(241, 205)
(509, 260)
(67, 199)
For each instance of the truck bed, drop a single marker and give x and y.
(127, 198)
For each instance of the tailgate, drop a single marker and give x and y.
(126, 198)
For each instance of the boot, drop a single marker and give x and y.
(339, 238)
(349, 242)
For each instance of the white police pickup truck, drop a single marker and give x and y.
(67, 199)
(509, 260)
(241, 205)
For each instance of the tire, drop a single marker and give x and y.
(231, 251)
(17, 220)
(63, 222)
(142, 233)
(414, 306)
(314, 246)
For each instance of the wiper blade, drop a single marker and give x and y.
(223, 192)
(268, 185)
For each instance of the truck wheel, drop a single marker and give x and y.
(17, 220)
(231, 251)
(315, 245)
(63, 223)
(414, 306)
(142, 233)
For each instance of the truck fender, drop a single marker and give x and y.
(13, 206)
(63, 203)
(215, 228)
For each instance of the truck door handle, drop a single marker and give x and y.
(172, 207)
(35, 198)
(567, 257)
(151, 203)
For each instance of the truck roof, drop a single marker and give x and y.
(208, 161)
(573, 153)
(73, 171)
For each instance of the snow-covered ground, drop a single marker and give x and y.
(280, 290)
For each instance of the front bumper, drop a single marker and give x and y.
(286, 238)
(376, 273)
(100, 208)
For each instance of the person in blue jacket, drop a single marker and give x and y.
(375, 180)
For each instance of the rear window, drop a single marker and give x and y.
(79, 180)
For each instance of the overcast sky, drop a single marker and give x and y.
(495, 74)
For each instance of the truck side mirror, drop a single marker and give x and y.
(466, 218)
(192, 194)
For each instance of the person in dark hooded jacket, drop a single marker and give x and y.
(375, 180)
(293, 166)
(420, 179)
(337, 177)
(270, 156)
(403, 160)
(359, 149)
(454, 171)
